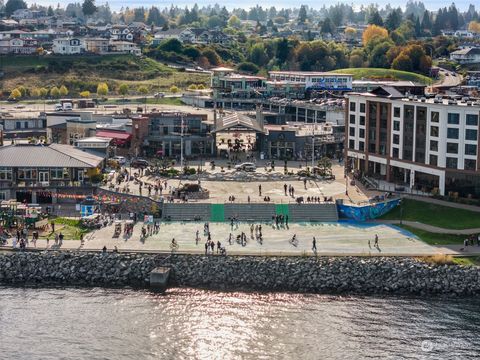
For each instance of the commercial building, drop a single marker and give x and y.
(38, 173)
(430, 145)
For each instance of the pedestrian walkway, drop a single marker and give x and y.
(429, 228)
(332, 239)
(431, 200)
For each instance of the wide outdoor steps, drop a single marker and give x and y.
(186, 211)
(313, 212)
(246, 212)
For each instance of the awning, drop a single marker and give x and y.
(118, 137)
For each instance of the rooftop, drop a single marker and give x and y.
(308, 73)
(53, 155)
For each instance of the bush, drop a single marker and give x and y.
(248, 67)
(189, 171)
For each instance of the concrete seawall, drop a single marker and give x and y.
(345, 275)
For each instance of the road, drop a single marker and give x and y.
(449, 79)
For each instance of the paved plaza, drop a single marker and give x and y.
(341, 238)
(220, 191)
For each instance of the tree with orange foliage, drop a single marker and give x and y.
(474, 27)
(374, 31)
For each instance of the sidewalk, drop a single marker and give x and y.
(429, 228)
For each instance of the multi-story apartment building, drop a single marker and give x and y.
(427, 144)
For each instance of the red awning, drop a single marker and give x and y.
(117, 135)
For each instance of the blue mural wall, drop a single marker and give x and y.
(367, 212)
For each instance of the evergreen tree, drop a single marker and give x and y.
(302, 15)
(13, 5)
(375, 19)
(393, 19)
(88, 7)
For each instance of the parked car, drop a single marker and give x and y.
(139, 163)
(120, 159)
(245, 167)
(58, 107)
(159, 95)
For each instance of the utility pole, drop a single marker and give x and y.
(181, 145)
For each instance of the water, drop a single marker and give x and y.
(196, 324)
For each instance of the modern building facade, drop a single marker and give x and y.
(429, 145)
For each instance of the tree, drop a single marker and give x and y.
(123, 89)
(50, 11)
(234, 22)
(474, 27)
(324, 166)
(85, 94)
(102, 89)
(143, 90)
(258, 54)
(54, 92)
(89, 8)
(43, 92)
(174, 89)
(155, 17)
(302, 15)
(402, 62)
(327, 26)
(192, 87)
(350, 33)
(212, 56)
(375, 18)
(12, 5)
(35, 92)
(63, 91)
(373, 31)
(15, 94)
(393, 19)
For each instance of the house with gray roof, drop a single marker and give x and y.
(44, 173)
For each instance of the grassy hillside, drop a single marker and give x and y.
(81, 73)
(384, 74)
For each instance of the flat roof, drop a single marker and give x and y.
(308, 73)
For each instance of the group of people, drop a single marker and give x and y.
(280, 219)
(290, 188)
(470, 241)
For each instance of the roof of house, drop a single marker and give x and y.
(467, 51)
(53, 155)
(117, 135)
(232, 120)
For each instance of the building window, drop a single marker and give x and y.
(452, 133)
(5, 174)
(472, 120)
(470, 149)
(434, 131)
(396, 112)
(352, 106)
(362, 107)
(362, 120)
(351, 144)
(352, 119)
(452, 163)
(395, 153)
(470, 164)
(352, 131)
(396, 125)
(452, 148)
(362, 133)
(396, 139)
(470, 134)
(361, 146)
(433, 145)
(3, 195)
(27, 174)
(435, 117)
(453, 118)
(433, 160)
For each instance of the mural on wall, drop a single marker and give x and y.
(367, 212)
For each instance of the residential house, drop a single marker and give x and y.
(466, 56)
(167, 34)
(96, 45)
(125, 47)
(67, 46)
(9, 23)
(18, 46)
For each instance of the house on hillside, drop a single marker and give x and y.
(67, 46)
(18, 46)
(96, 45)
(466, 56)
(125, 47)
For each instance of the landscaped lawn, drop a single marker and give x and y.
(436, 215)
(433, 238)
(70, 228)
(379, 73)
(467, 260)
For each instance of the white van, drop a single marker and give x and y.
(67, 106)
(58, 107)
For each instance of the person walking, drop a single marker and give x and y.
(305, 183)
(314, 245)
(376, 241)
(260, 190)
(285, 188)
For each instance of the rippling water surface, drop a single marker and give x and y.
(186, 323)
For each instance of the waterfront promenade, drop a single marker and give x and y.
(335, 239)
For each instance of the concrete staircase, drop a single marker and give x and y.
(246, 212)
(313, 212)
(186, 211)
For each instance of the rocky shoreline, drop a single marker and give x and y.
(329, 275)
